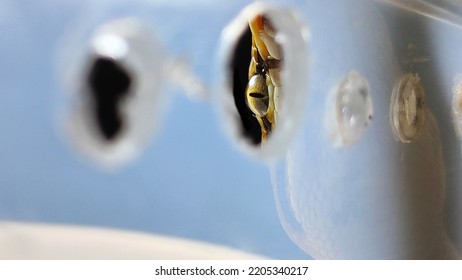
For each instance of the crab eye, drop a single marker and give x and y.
(257, 97)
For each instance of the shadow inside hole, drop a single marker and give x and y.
(240, 68)
(109, 83)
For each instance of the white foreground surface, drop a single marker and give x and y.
(46, 241)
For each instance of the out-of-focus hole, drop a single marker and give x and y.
(109, 84)
(117, 81)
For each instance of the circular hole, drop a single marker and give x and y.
(264, 62)
(117, 92)
(349, 110)
(407, 108)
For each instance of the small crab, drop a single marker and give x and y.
(264, 85)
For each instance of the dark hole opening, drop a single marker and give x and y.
(240, 67)
(109, 82)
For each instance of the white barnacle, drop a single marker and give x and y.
(407, 108)
(349, 110)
